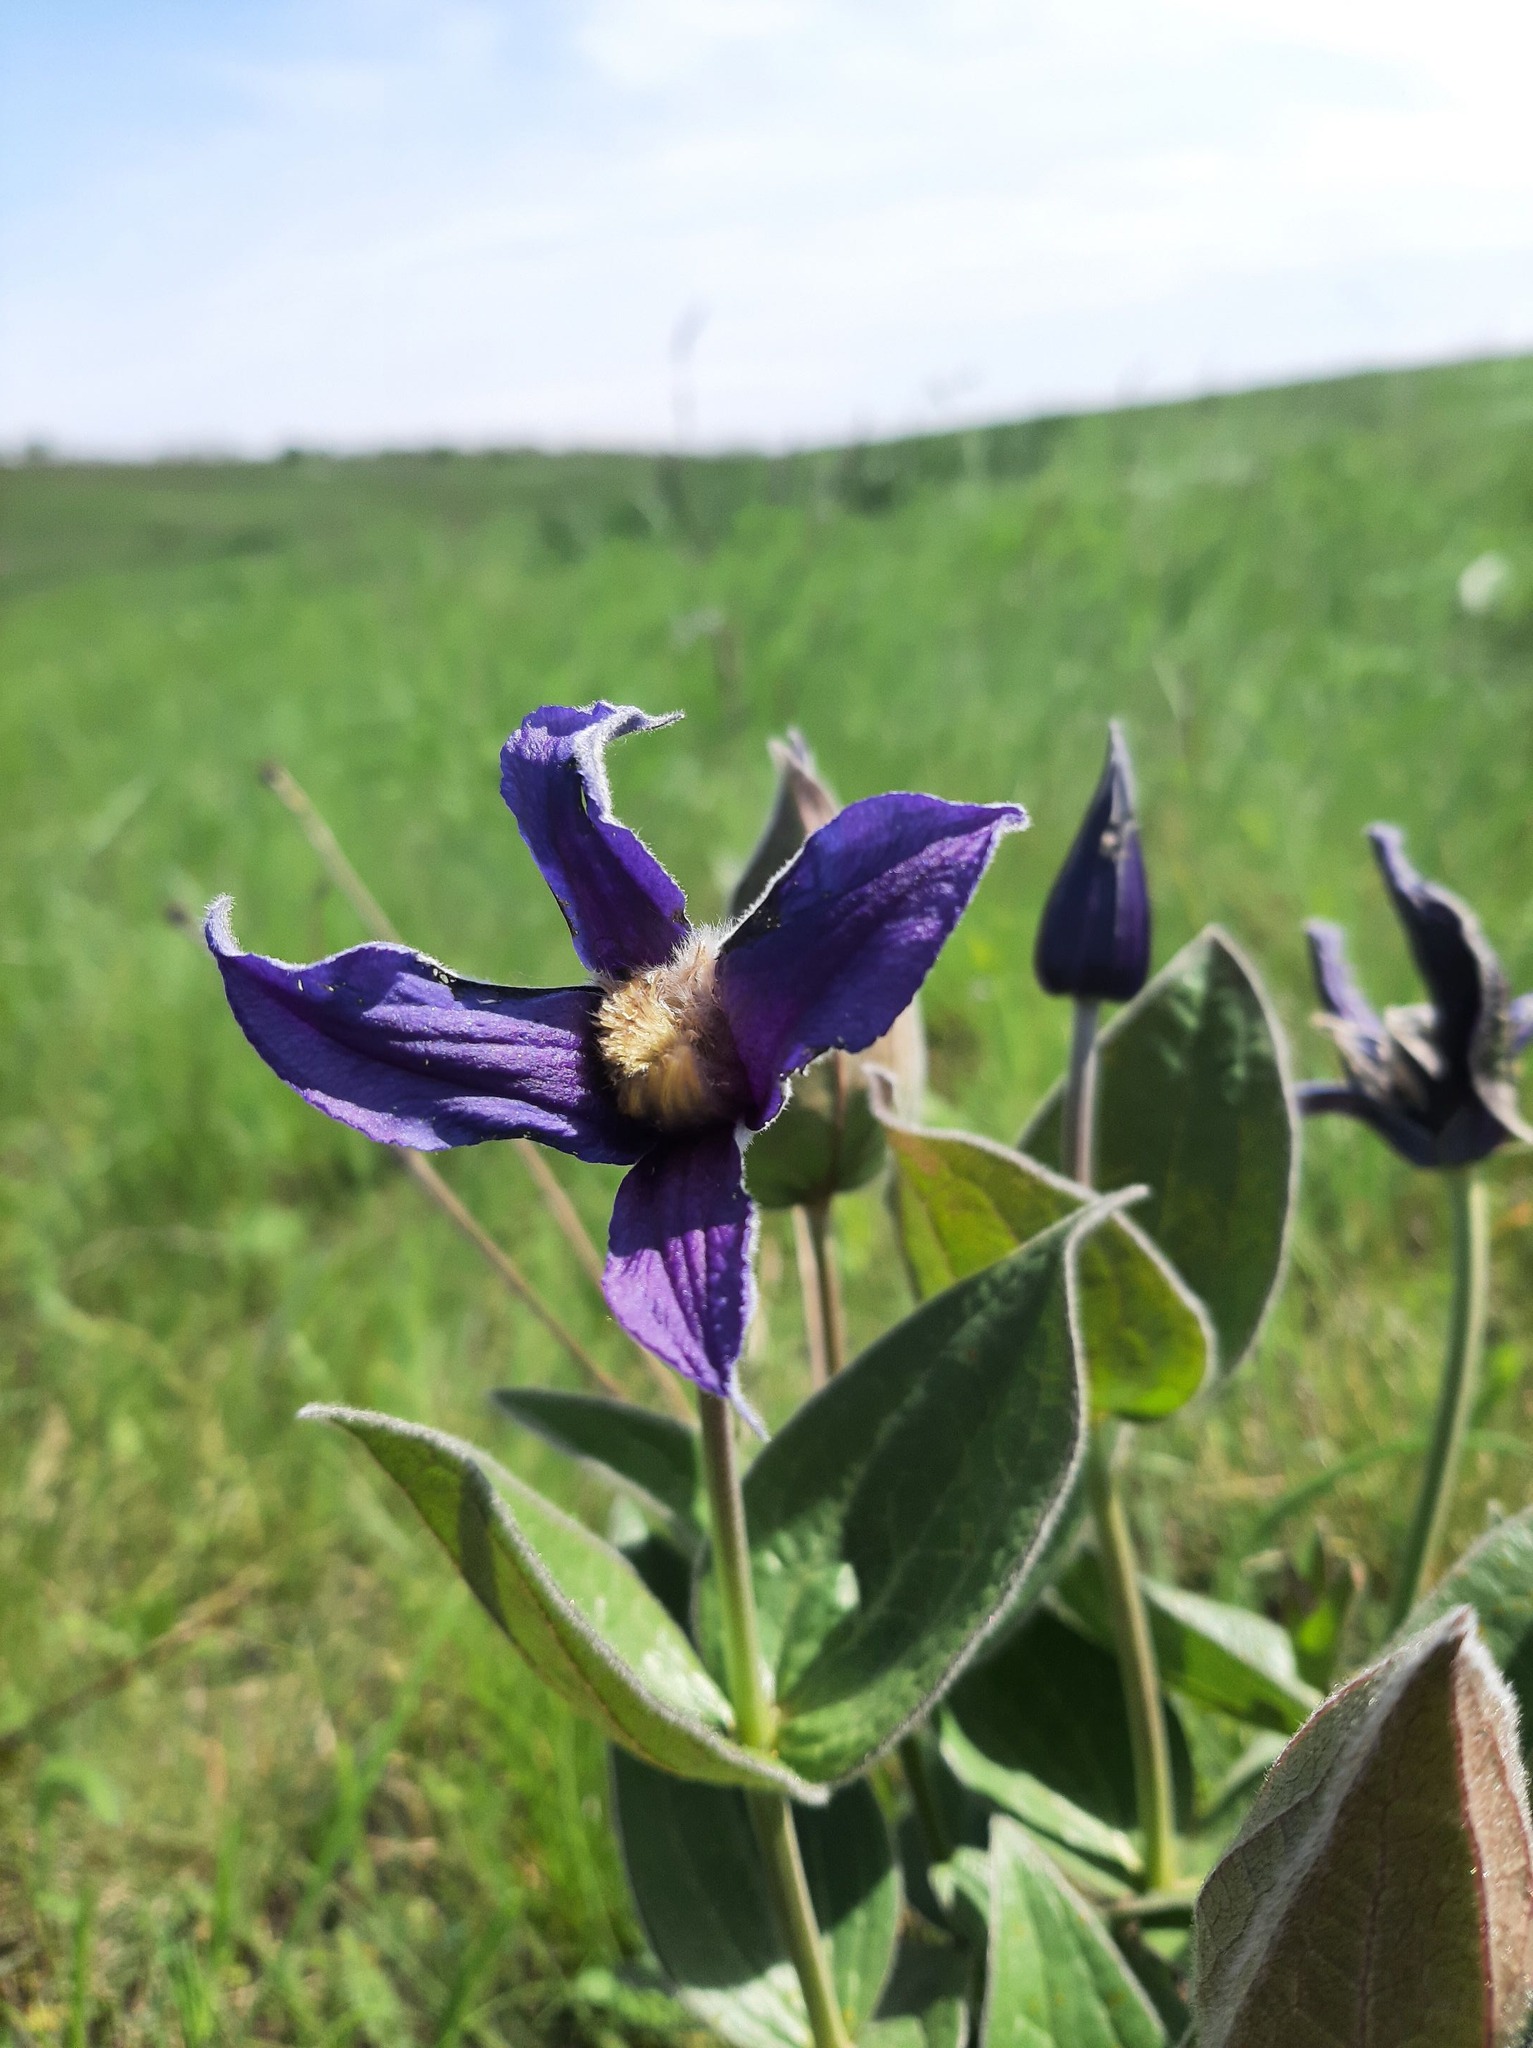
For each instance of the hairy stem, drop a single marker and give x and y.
(773, 1819)
(744, 1665)
(1460, 1384)
(1135, 1647)
(755, 1717)
(1078, 1119)
(1136, 1663)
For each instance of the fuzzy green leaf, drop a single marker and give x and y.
(930, 1986)
(1193, 1101)
(899, 1510)
(1221, 1656)
(1048, 1701)
(1055, 1978)
(575, 1608)
(1044, 1812)
(962, 1202)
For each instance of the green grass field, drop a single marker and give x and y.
(338, 1811)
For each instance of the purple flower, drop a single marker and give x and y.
(1437, 1079)
(1094, 936)
(675, 1052)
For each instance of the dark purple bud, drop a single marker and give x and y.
(1094, 937)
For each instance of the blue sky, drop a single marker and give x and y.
(361, 222)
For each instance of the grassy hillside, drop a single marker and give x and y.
(338, 1811)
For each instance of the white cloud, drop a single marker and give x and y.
(481, 222)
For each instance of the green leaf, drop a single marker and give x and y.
(1193, 1100)
(575, 1608)
(1495, 1578)
(826, 1141)
(961, 1887)
(1045, 1812)
(1381, 1888)
(930, 1985)
(1223, 1657)
(962, 1202)
(905, 2030)
(1049, 1701)
(666, 1571)
(1163, 1982)
(652, 1456)
(906, 1503)
(1313, 1593)
(701, 1893)
(1055, 1979)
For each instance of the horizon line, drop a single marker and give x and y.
(40, 452)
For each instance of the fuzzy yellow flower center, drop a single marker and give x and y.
(664, 1041)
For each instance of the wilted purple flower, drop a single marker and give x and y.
(671, 1056)
(1436, 1079)
(1094, 937)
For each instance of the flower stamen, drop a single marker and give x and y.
(663, 1038)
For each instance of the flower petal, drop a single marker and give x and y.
(847, 933)
(1453, 956)
(1356, 1026)
(391, 1043)
(1413, 1141)
(623, 910)
(680, 1253)
(1469, 1132)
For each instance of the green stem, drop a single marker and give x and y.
(1078, 1136)
(756, 1719)
(744, 1665)
(923, 1797)
(773, 1818)
(1460, 1384)
(1137, 1664)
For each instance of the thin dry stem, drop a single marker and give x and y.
(425, 1175)
(202, 1615)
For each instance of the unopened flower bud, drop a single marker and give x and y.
(803, 804)
(1094, 937)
